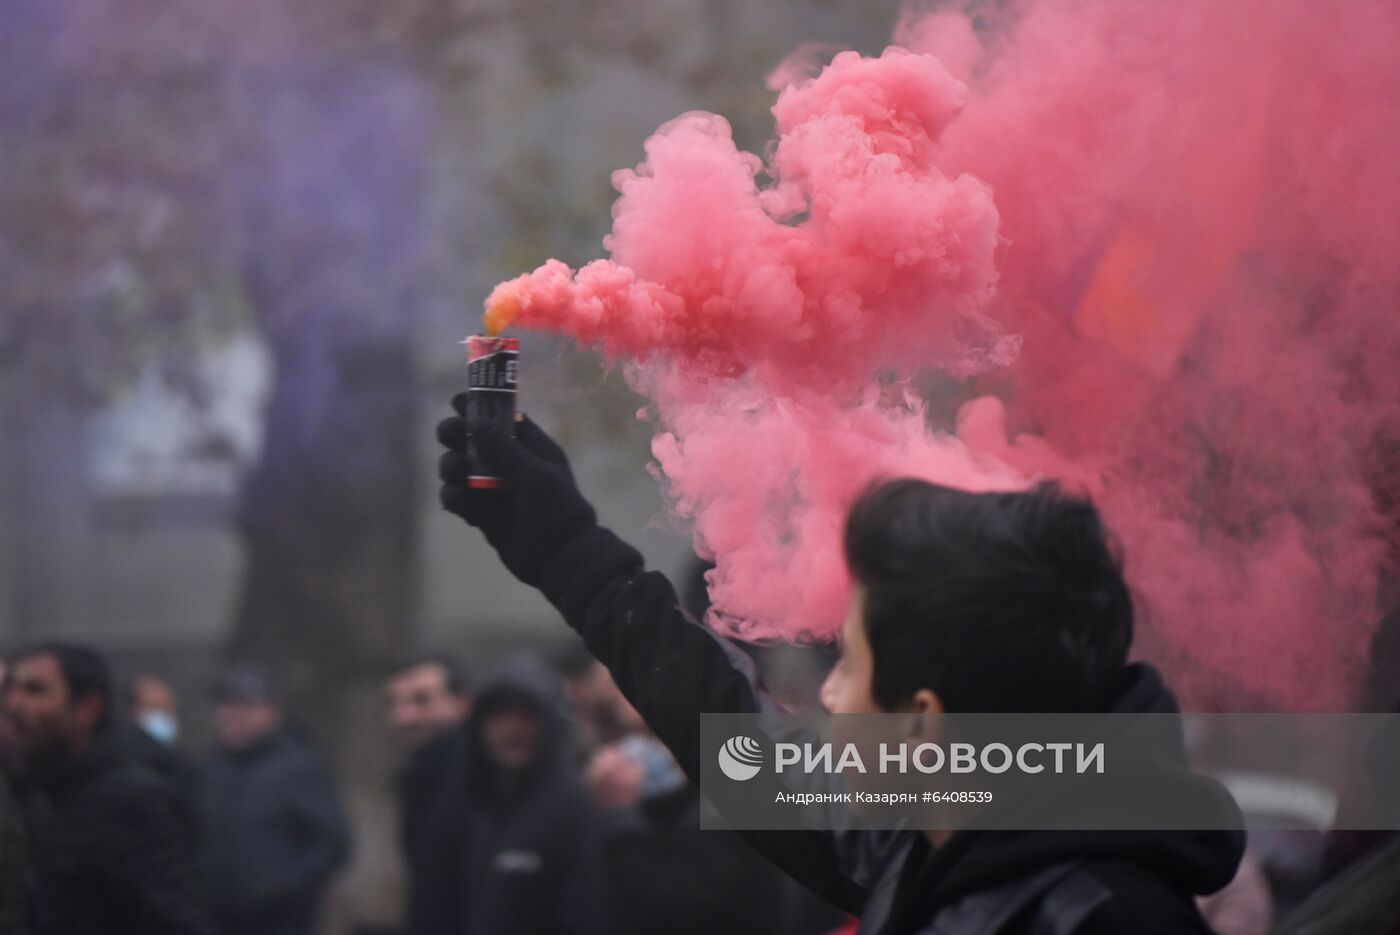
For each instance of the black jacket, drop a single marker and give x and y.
(515, 854)
(107, 852)
(673, 669)
(421, 785)
(14, 865)
(171, 766)
(271, 834)
(666, 875)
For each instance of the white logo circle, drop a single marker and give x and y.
(740, 758)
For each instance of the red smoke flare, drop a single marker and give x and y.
(1193, 211)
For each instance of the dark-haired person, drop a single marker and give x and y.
(428, 700)
(1007, 602)
(107, 850)
(427, 697)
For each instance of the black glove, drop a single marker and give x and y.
(545, 532)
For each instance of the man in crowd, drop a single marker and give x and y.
(515, 846)
(603, 715)
(428, 703)
(154, 708)
(271, 829)
(105, 846)
(152, 735)
(1003, 602)
(663, 873)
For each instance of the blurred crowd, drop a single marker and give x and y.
(110, 827)
(532, 802)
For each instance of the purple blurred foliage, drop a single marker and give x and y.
(167, 169)
(172, 174)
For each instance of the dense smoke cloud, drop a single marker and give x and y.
(1154, 244)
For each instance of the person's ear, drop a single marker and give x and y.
(924, 709)
(927, 702)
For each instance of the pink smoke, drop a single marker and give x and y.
(1200, 204)
(890, 267)
(759, 334)
(1193, 246)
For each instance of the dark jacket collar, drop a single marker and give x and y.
(274, 742)
(920, 881)
(102, 754)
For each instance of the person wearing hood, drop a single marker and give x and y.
(995, 603)
(519, 841)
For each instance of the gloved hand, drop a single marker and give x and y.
(534, 521)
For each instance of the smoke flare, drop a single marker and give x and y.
(1156, 245)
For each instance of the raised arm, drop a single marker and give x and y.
(671, 668)
(547, 535)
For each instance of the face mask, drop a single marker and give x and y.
(161, 725)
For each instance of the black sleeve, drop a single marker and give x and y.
(1108, 897)
(672, 670)
(313, 808)
(147, 858)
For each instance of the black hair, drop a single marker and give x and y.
(997, 602)
(84, 671)
(458, 681)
